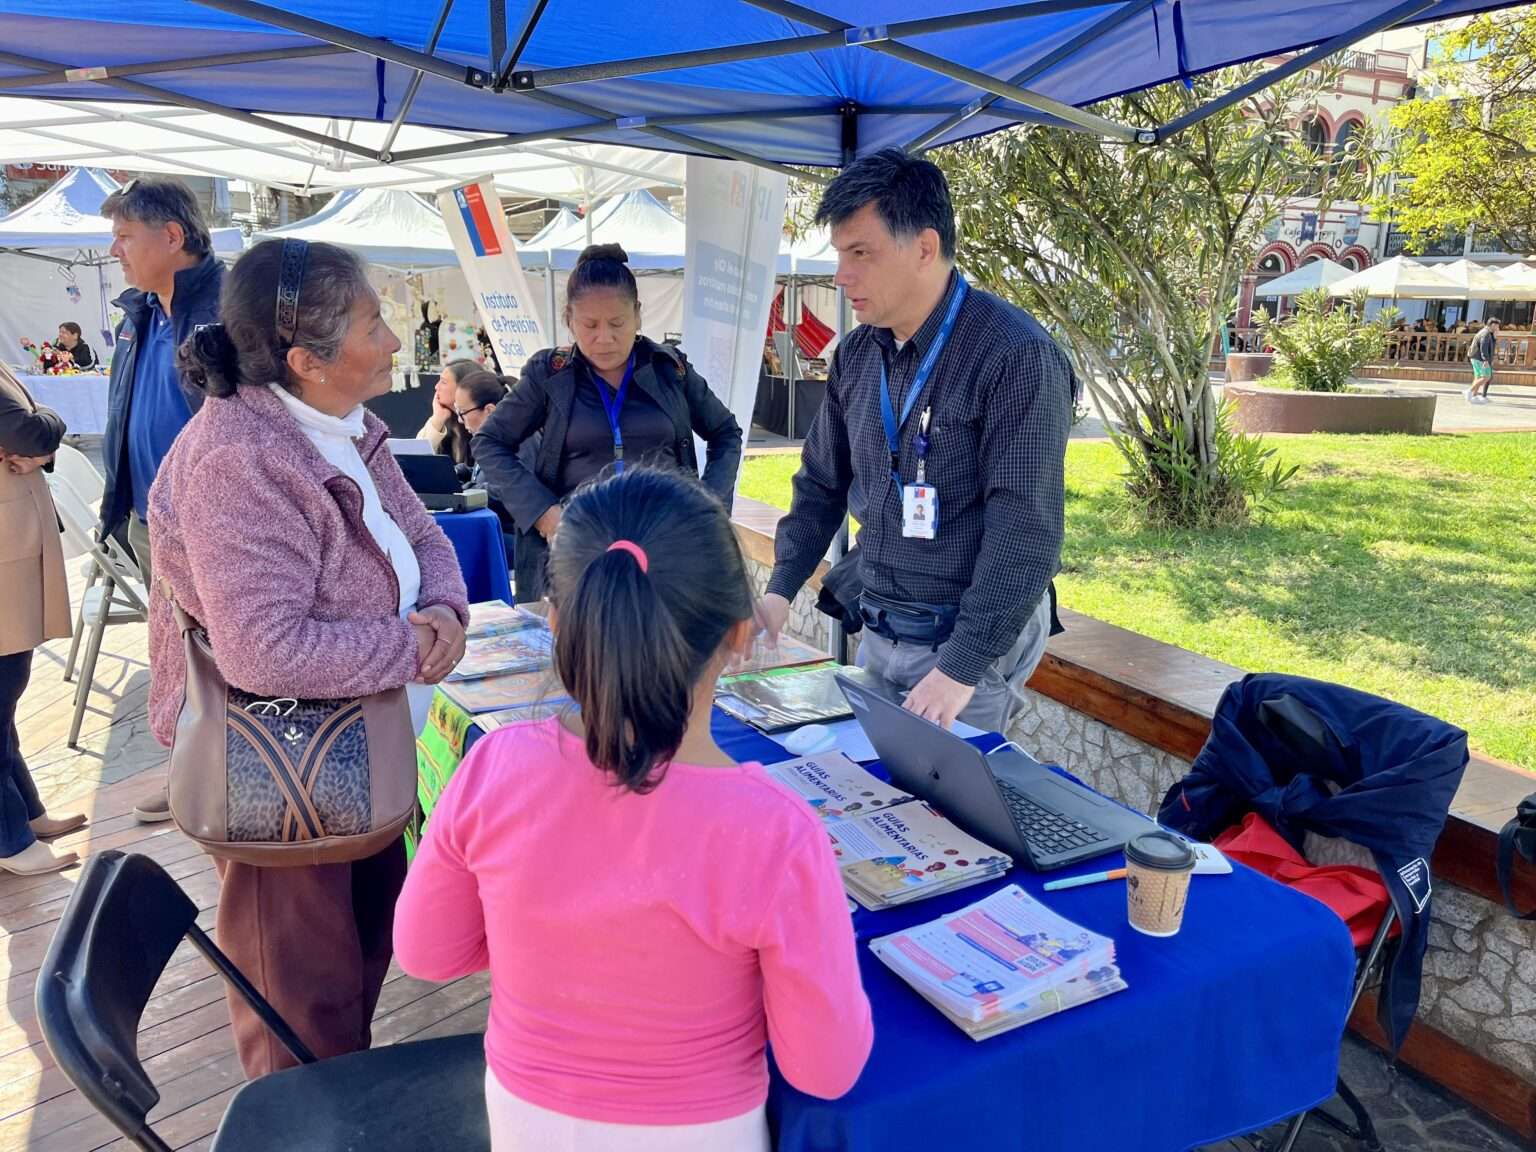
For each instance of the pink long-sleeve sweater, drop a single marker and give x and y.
(642, 948)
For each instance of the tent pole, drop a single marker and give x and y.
(927, 60)
(831, 38)
(792, 360)
(505, 74)
(1386, 20)
(549, 299)
(165, 96)
(415, 86)
(586, 202)
(119, 71)
(1039, 67)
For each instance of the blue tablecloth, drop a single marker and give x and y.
(80, 400)
(1227, 1027)
(476, 537)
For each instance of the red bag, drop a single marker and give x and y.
(1356, 895)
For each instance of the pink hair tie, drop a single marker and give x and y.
(634, 550)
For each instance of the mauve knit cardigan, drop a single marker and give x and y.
(263, 541)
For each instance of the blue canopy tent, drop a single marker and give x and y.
(767, 81)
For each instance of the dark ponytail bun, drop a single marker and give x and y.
(209, 360)
(601, 266)
(602, 252)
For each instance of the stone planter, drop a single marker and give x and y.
(1243, 366)
(1259, 409)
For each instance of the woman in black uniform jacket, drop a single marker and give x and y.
(614, 399)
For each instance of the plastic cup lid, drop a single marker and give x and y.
(1160, 850)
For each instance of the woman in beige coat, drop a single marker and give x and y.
(36, 610)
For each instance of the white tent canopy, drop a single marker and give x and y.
(563, 220)
(1400, 279)
(67, 219)
(811, 255)
(1308, 278)
(1516, 282)
(653, 238)
(383, 224)
(150, 138)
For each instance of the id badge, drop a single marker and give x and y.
(919, 511)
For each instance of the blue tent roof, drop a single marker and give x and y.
(765, 79)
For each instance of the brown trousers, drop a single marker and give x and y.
(316, 942)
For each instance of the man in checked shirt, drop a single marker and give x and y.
(943, 433)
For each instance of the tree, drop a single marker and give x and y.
(1133, 255)
(1466, 157)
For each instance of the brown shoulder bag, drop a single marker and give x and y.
(280, 782)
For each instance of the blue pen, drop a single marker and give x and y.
(1079, 881)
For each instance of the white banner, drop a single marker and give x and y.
(735, 222)
(488, 256)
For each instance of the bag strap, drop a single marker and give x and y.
(1506, 862)
(183, 621)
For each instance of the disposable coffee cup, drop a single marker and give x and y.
(1158, 866)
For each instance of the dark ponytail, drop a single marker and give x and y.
(602, 266)
(209, 360)
(634, 640)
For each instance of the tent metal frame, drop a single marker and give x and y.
(1007, 98)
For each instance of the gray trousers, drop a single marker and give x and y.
(998, 695)
(138, 541)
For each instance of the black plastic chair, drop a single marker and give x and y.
(125, 920)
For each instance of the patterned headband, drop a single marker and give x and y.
(290, 280)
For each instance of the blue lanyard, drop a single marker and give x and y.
(894, 426)
(614, 406)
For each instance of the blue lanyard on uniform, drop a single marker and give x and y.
(893, 426)
(614, 406)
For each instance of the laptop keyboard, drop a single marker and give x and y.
(1047, 832)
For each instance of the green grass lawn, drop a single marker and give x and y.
(1404, 566)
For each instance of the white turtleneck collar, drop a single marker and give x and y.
(349, 427)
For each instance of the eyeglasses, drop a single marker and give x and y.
(463, 412)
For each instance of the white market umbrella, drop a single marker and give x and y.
(1308, 278)
(1477, 281)
(1400, 279)
(1516, 282)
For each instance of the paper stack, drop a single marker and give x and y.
(781, 698)
(496, 617)
(1002, 962)
(835, 786)
(909, 852)
(526, 650)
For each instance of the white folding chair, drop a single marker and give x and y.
(119, 598)
(73, 467)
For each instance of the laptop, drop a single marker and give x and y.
(1007, 798)
(432, 475)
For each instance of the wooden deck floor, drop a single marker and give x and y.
(185, 1040)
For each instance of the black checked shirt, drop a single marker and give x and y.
(1001, 398)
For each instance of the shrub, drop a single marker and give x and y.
(1319, 348)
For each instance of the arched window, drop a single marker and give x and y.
(1315, 133)
(1346, 145)
(1272, 265)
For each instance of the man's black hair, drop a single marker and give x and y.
(909, 194)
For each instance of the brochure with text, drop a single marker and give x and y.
(523, 651)
(495, 617)
(909, 852)
(1001, 955)
(835, 786)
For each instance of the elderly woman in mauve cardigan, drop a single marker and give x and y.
(36, 610)
(281, 522)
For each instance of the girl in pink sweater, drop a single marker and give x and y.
(652, 913)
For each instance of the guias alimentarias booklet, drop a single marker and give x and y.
(909, 852)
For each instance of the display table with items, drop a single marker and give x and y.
(477, 539)
(80, 399)
(1126, 1040)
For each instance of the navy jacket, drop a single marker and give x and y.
(1310, 756)
(194, 301)
(526, 478)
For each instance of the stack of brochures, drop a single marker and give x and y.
(892, 848)
(506, 691)
(780, 698)
(1002, 962)
(526, 650)
(495, 617)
